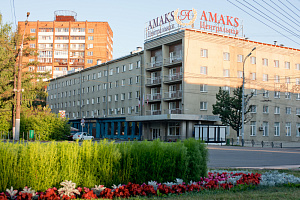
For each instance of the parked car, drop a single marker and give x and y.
(82, 136)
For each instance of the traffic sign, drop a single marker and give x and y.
(82, 120)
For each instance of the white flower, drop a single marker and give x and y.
(12, 193)
(29, 191)
(68, 189)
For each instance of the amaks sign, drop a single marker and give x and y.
(183, 18)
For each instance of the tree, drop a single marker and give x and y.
(230, 108)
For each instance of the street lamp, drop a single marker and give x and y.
(243, 95)
(19, 85)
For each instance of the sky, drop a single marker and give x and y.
(127, 18)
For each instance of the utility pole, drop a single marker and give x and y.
(243, 95)
(19, 86)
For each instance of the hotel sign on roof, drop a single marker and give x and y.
(208, 21)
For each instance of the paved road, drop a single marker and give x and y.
(249, 157)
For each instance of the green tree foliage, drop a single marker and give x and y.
(46, 125)
(33, 88)
(230, 108)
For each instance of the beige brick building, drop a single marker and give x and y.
(180, 74)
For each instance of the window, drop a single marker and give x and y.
(122, 96)
(124, 68)
(287, 65)
(276, 129)
(266, 128)
(253, 60)
(240, 58)
(130, 81)
(117, 84)
(265, 77)
(298, 96)
(130, 66)
(254, 91)
(116, 97)
(253, 108)
(90, 61)
(99, 74)
(297, 66)
(297, 111)
(109, 98)
(226, 73)
(109, 85)
(298, 130)
(288, 128)
(297, 81)
(276, 94)
(111, 72)
(117, 70)
(266, 94)
(137, 94)
(138, 64)
(253, 128)
(123, 82)
(288, 110)
(87, 102)
(136, 109)
(104, 99)
(203, 105)
(32, 45)
(276, 63)
(129, 110)
(98, 87)
(226, 88)
(288, 95)
(204, 53)
(137, 79)
(253, 76)
(98, 99)
(174, 129)
(90, 46)
(129, 95)
(89, 53)
(277, 110)
(287, 79)
(90, 37)
(277, 79)
(203, 70)
(265, 109)
(32, 30)
(122, 111)
(90, 30)
(265, 61)
(203, 88)
(240, 74)
(226, 56)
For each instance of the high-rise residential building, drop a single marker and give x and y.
(66, 44)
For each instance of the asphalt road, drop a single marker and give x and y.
(249, 157)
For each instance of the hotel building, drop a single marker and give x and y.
(170, 86)
(66, 44)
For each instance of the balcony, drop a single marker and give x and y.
(154, 97)
(172, 78)
(152, 66)
(153, 112)
(173, 95)
(154, 81)
(173, 111)
(174, 60)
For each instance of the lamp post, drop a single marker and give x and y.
(243, 95)
(19, 85)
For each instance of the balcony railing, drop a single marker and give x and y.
(153, 112)
(173, 60)
(153, 80)
(173, 94)
(154, 97)
(173, 111)
(154, 64)
(173, 77)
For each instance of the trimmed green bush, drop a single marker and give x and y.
(44, 165)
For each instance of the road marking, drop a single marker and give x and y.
(253, 150)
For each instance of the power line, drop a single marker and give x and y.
(263, 22)
(294, 7)
(288, 9)
(15, 12)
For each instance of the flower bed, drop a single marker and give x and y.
(215, 180)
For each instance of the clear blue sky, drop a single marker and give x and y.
(127, 18)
